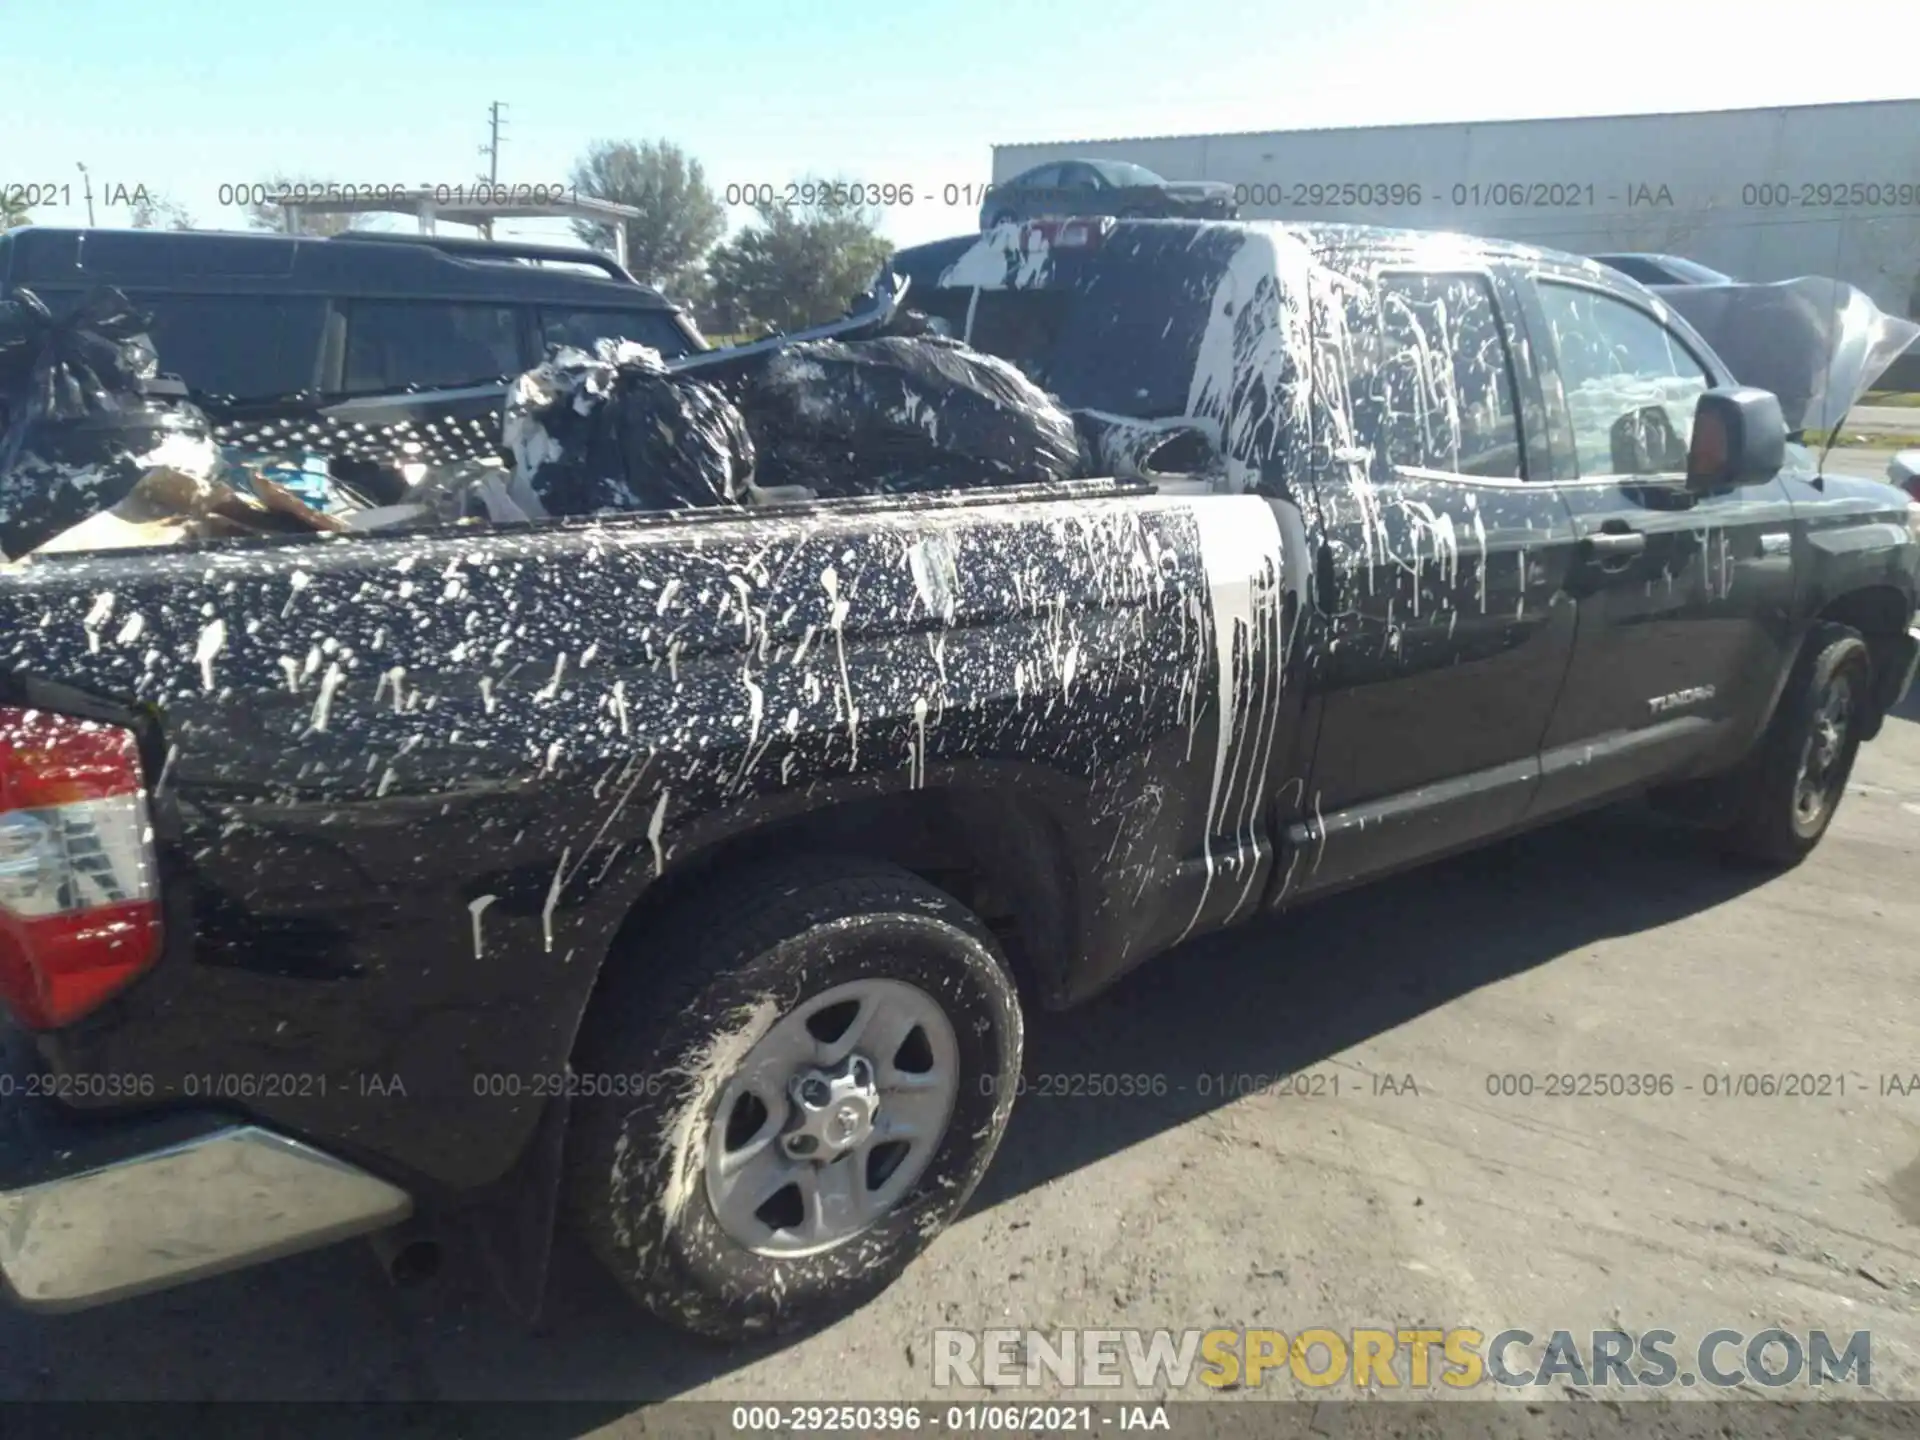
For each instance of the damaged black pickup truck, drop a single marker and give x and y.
(682, 876)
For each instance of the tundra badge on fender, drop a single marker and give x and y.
(1659, 704)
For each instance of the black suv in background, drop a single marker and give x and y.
(1651, 269)
(252, 316)
(1063, 188)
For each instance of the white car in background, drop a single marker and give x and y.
(1904, 471)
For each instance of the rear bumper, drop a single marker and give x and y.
(94, 1211)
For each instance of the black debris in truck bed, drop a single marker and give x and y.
(84, 415)
(903, 413)
(615, 431)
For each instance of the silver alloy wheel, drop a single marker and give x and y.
(1825, 747)
(832, 1117)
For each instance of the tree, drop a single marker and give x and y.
(157, 212)
(800, 264)
(266, 214)
(680, 217)
(13, 210)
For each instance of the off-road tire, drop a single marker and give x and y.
(1764, 826)
(687, 1000)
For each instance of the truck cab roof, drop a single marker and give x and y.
(929, 265)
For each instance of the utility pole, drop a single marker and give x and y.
(492, 151)
(87, 180)
(493, 144)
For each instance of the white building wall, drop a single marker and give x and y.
(1750, 192)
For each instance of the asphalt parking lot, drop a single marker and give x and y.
(1613, 945)
(1869, 462)
(1883, 419)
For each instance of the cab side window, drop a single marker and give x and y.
(395, 343)
(1630, 385)
(248, 347)
(1443, 394)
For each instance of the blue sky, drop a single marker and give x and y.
(910, 91)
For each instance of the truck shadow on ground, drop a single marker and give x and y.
(1281, 997)
(1269, 999)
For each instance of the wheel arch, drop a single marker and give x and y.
(1001, 852)
(1881, 614)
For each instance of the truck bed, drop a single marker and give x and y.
(407, 786)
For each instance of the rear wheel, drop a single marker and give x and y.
(1784, 799)
(835, 1060)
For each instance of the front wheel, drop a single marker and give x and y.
(837, 1058)
(1788, 795)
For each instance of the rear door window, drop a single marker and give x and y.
(580, 328)
(1443, 394)
(249, 347)
(392, 344)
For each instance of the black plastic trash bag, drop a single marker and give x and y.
(615, 431)
(1129, 448)
(67, 368)
(86, 415)
(903, 413)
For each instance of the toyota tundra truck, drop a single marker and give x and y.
(683, 879)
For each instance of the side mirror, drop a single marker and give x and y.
(1739, 438)
(1644, 442)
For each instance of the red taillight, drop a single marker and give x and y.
(79, 895)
